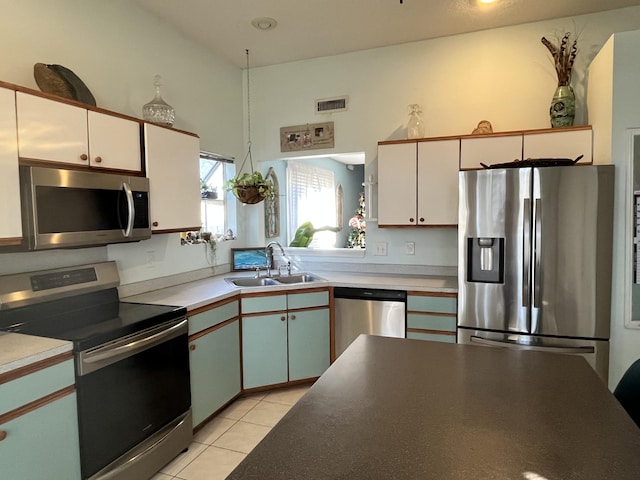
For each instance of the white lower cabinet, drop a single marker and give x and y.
(39, 425)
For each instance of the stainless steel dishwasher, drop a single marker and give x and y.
(369, 311)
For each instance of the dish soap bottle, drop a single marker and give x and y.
(415, 127)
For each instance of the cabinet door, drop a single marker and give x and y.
(438, 182)
(215, 370)
(172, 162)
(489, 150)
(397, 180)
(264, 350)
(10, 220)
(50, 130)
(308, 343)
(114, 142)
(559, 144)
(43, 443)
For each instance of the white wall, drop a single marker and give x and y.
(116, 48)
(503, 75)
(617, 87)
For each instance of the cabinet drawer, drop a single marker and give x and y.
(271, 303)
(41, 383)
(434, 337)
(306, 300)
(210, 318)
(420, 303)
(431, 322)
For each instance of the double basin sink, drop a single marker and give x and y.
(292, 279)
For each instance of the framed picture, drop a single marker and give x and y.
(243, 259)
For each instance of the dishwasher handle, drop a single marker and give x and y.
(370, 294)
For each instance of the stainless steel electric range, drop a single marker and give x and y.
(131, 361)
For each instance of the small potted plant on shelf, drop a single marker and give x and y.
(207, 191)
(250, 188)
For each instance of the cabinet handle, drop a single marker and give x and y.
(83, 156)
(98, 159)
(192, 347)
(155, 224)
(292, 317)
(3, 435)
(412, 219)
(283, 318)
(421, 219)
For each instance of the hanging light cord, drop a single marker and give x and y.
(248, 155)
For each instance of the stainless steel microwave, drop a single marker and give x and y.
(74, 208)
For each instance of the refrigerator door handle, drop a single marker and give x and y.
(519, 346)
(526, 251)
(537, 249)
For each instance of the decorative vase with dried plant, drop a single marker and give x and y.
(563, 104)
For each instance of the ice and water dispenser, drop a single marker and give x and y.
(485, 260)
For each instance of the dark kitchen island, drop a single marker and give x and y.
(392, 408)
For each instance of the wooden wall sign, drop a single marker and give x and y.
(312, 136)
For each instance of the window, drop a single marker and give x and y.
(311, 197)
(214, 171)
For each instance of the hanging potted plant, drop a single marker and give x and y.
(250, 188)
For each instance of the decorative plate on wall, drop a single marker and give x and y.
(60, 81)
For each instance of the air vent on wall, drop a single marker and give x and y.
(330, 105)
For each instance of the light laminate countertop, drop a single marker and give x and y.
(203, 292)
(17, 350)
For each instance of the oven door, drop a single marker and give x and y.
(127, 391)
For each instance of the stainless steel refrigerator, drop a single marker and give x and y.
(534, 259)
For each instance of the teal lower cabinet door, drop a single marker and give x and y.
(214, 360)
(308, 343)
(43, 443)
(264, 349)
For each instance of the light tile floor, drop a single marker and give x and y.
(220, 445)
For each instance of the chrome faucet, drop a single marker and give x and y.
(268, 253)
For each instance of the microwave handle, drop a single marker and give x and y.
(130, 208)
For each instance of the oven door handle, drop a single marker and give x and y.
(105, 355)
(519, 346)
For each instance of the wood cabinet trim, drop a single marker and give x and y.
(431, 314)
(211, 306)
(431, 294)
(432, 332)
(34, 367)
(284, 292)
(55, 98)
(217, 326)
(511, 133)
(10, 241)
(31, 406)
(291, 310)
(24, 161)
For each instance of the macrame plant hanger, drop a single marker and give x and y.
(249, 194)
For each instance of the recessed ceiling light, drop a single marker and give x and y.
(486, 1)
(264, 23)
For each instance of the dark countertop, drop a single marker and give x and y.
(408, 409)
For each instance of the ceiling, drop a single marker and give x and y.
(309, 29)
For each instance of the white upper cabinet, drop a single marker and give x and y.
(489, 150)
(438, 182)
(418, 183)
(10, 220)
(559, 143)
(397, 181)
(114, 142)
(172, 161)
(59, 132)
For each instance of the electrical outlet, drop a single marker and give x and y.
(410, 248)
(381, 249)
(151, 258)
